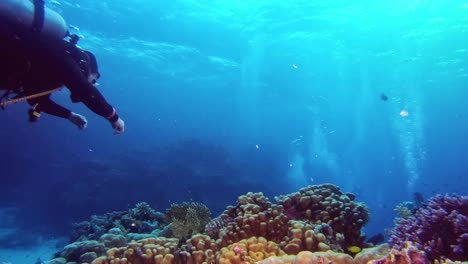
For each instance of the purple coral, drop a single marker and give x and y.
(440, 228)
(216, 224)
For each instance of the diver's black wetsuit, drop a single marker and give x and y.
(41, 64)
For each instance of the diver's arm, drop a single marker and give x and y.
(46, 105)
(87, 93)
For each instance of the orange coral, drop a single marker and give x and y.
(307, 257)
(315, 218)
(165, 251)
(373, 253)
(254, 216)
(326, 204)
(252, 250)
(146, 251)
(408, 255)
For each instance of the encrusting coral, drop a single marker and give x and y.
(141, 219)
(143, 212)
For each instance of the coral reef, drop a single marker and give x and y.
(407, 255)
(80, 250)
(95, 227)
(215, 225)
(315, 218)
(368, 254)
(439, 228)
(141, 219)
(199, 249)
(252, 250)
(326, 204)
(404, 210)
(254, 215)
(115, 238)
(187, 218)
(143, 212)
(151, 250)
(317, 224)
(306, 257)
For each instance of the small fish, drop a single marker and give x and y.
(383, 97)
(354, 249)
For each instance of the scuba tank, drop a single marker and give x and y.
(33, 15)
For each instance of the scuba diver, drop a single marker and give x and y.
(36, 60)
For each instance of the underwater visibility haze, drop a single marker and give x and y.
(221, 98)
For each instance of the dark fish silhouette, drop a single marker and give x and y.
(383, 97)
(376, 239)
(418, 199)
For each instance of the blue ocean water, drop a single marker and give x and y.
(225, 97)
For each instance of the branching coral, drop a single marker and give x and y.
(440, 228)
(404, 211)
(216, 224)
(187, 218)
(184, 228)
(95, 227)
(141, 219)
(142, 212)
